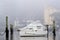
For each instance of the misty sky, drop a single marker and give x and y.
(25, 9)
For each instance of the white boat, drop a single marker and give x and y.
(32, 30)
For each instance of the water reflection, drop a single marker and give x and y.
(33, 38)
(17, 37)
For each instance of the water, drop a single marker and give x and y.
(37, 38)
(17, 37)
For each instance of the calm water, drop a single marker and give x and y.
(17, 37)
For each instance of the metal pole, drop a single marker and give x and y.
(7, 31)
(11, 32)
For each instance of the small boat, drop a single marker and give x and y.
(34, 29)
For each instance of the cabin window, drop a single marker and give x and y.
(30, 28)
(38, 27)
(35, 30)
(25, 32)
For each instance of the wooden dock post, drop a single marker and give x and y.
(11, 32)
(7, 31)
(47, 32)
(54, 30)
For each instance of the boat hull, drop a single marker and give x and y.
(32, 35)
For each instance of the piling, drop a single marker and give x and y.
(11, 32)
(47, 32)
(7, 31)
(54, 30)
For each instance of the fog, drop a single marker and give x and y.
(25, 9)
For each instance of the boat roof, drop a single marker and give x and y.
(33, 24)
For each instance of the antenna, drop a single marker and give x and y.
(16, 23)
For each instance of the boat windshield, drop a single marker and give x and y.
(38, 27)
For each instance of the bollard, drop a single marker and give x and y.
(54, 31)
(7, 31)
(11, 32)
